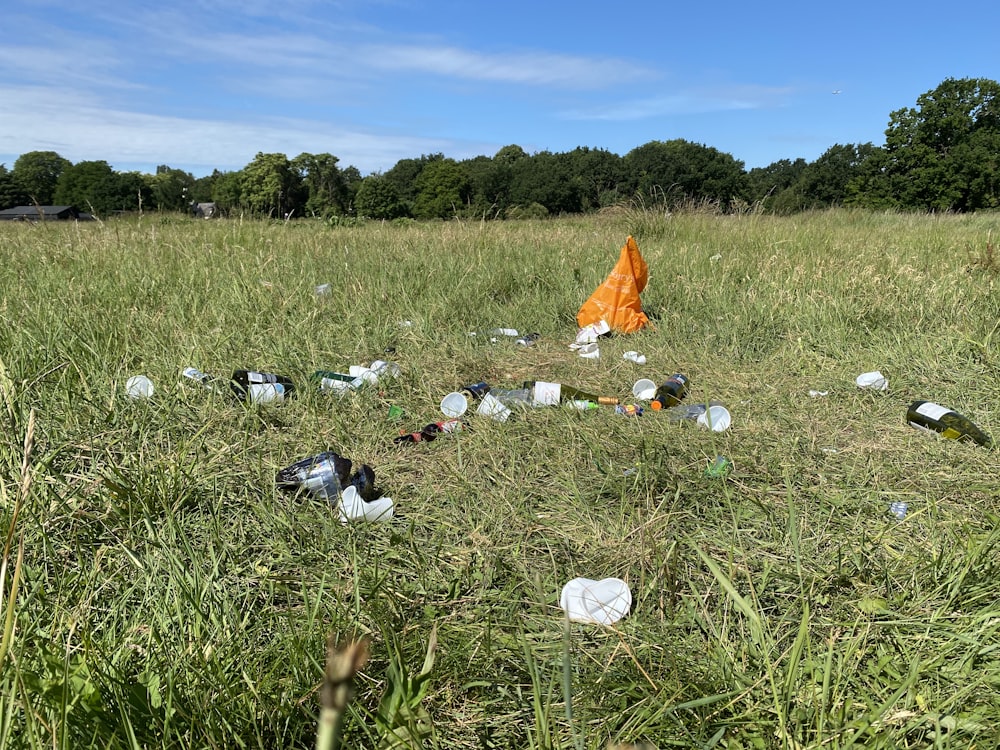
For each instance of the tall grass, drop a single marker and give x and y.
(168, 595)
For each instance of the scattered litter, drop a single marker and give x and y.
(644, 389)
(323, 290)
(356, 377)
(395, 412)
(206, 381)
(589, 334)
(139, 387)
(455, 404)
(716, 418)
(898, 509)
(261, 387)
(715, 258)
(616, 300)
(353, 508)
(829, 451)
(927, 415)
(818, 394)
(874, 381)
(639, 359)
(670, 392)
(476, 390)
(601, 602)
(529, 339)
(406, 324)
(430, 432)
(629, 410)
(590, 351)
(719, 467)
(494, 408)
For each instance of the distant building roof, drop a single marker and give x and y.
(41, 213)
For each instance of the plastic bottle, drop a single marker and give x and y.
(261, 387)
(928, 415)
(476, 390)
(337, 382)
(325, 475)
(670, 393)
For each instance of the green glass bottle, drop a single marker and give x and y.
(948, 423)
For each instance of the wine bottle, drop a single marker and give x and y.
(261, 387)
(548, 394)
(928, 415)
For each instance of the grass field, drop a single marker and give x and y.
(160, 592)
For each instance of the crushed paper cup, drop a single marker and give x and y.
(590, 334)
(644, 389)
(589, 351)
(139, 387)
(639, 359)
(354, 509)
(602, 602)
(716, 418)
(494, 408)
(454, 405)
(874, 381)
(818, 394)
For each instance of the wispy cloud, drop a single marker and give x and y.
(690, 102)
(80, 130)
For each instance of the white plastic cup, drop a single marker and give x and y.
(716, 418)
(354, 509)
(601, 602)
(590, 351)
(454, 405)
(492, 407)
(875, 381)
(644, 389)
(639, 359)
(139, 387)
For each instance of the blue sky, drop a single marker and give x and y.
(200, 85)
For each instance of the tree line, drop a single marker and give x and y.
(941, 155)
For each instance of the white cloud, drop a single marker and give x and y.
(686, 103)
(79, 129)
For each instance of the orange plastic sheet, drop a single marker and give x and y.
(616, 300)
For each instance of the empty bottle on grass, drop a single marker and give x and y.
(544, 393)
(326, 475)
(261, 387)
(928, 415)
(430, 431)
(670, 393)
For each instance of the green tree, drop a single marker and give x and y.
(10, 192)
(766, 183)
(170, 188)
(442, 190)
(227, 189)
(377, 198)
(271, 187)
(326, 189)
(599, 175)
(403, 176)
(37, 173)
(940, 155)
(94, 186)
(545, 178)
(678, 171)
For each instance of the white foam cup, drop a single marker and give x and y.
(601, 602)
(644, 389)
(716, 418)
(454, 404)
(139, 386)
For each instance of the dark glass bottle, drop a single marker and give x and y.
(949, 423)
(670, 393)
(261, 387)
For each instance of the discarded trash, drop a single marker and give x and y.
(323, 290)
(644, 389)
(671, 392)
(544, 393)
(454, 404)
(139, 387)
(948, 423)
(431, 431)
(529, 339)
(639, 359)
(325, 475)
(492, 407)
(898, 509)
(874, 381)
(719, 467)
(602, 602)
(261, 387)
(617, 300)
(818, 394)
(629, 410)
(589, 334)
(715, 258)
(206, 381)
(511, 332)
(337, 382)
(476, 390)
(590, 351)
(712, 415)
(395, 412)
(354, 508)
